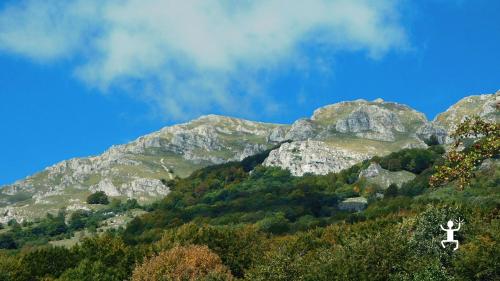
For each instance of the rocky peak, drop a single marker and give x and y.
(371, 122)
(485, 106)
(391, 112)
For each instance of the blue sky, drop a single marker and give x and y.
(79, 76)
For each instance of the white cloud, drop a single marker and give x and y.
(189, 55)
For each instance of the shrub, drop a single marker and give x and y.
(183, 263)
(391, 191)
(238, 247)
(432, 140)
(78, 219)
(7, 241)
(101, 258)
(276, 223)
(98, 198)
(46, 262)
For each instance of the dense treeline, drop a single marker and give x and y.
(242, 221)
(272, 198)
(397, 239)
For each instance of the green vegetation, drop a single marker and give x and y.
(271, 198)
(243, 221)
(56, 227)
(98, 197)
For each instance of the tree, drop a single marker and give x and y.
(46, 262)
(432, 140)
(238, 247)
(104, 258)
(275, 223)
(13, 223)
(7, 241)
(391, 191)
(394, 165)
(98, 198)
(78, 219)
(183, 263)
(474, 141)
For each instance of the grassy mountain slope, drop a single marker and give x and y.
(334, 138)
(266, 224)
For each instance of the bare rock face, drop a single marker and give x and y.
(430, 129)
(105, 186)
(371, 122)
(278, 134)
(145, 187)
(383, 178)
(354, 204)
(372, 171)
(7, 214)
(312, 157)
(251, 149)
(302, 129)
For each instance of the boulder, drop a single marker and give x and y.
(354, 204)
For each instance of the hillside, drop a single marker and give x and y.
(334, 138)
(373, 221)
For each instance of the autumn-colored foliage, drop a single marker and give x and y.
(183, 263)
(474, 141)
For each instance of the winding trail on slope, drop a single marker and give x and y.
(166, 169)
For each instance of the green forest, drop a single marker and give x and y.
(244, 221)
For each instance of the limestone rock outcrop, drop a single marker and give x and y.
(371, 122)
(314, 157)
(354, 204)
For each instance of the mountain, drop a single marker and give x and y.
(340, 135)
(334, 138)
(136, 169)
(485, 106)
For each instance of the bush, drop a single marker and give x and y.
(7, 241)
(432, 140)
(238, 247)
(13, 223)
(98, 198)
(276, 223)
(78, 219)
(183, 263)
(391, 191)
(46, 262)
(412, 160)
(101, 258)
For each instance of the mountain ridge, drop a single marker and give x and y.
(332, 139)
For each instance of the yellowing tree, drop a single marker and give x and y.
(474, 141)
(183, 263)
